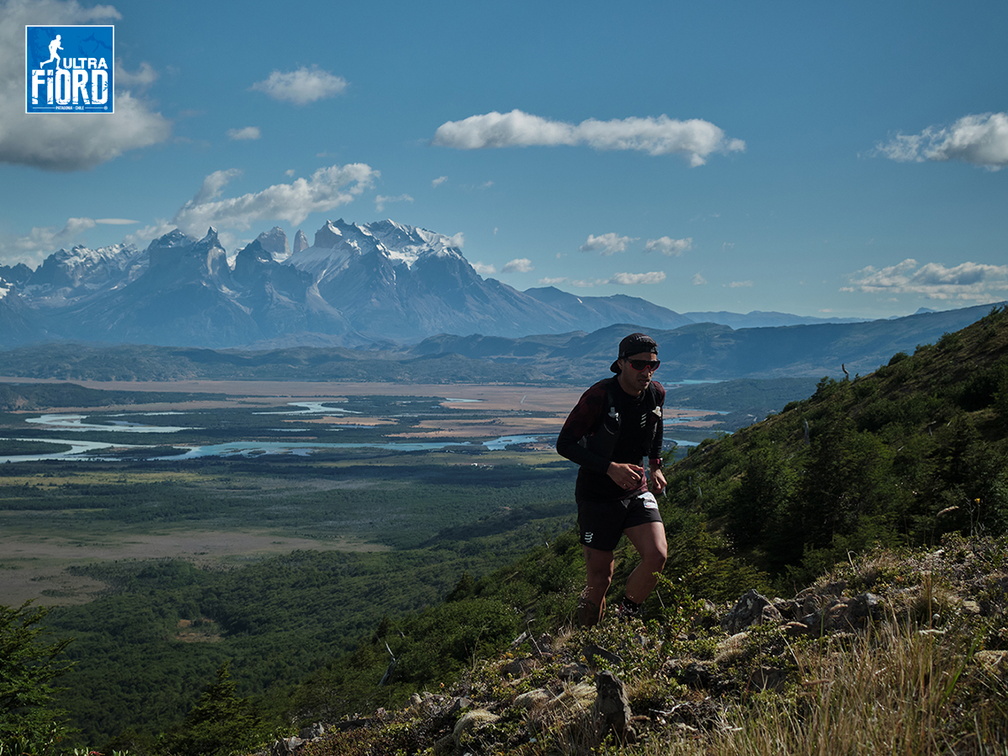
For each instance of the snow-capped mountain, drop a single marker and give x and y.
(79, 272)
(400, 283)
(356, 284)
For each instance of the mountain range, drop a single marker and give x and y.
(377, 284)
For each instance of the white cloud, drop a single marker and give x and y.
(635, 279)
(382, 200)
(59, 142)
(484, 269)
(302, 86)
(247, 133)
(669, 246)
(142, 78)
(519, 265)
(695, 139)
(978, 139)
(967, 281)
(43, 241)
(621, 279)
(116, 221)
(740, 285)
(438, 181)
(699, 280)
(327, 188)
(606, 244)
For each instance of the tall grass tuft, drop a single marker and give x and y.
(895, 690)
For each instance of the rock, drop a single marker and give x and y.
(845, 614)
(312, 731)
(612, 709)
(751, 609)
(286, 746)
(520, 667)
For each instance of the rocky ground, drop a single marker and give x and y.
(683, 679)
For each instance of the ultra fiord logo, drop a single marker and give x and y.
(69, 69)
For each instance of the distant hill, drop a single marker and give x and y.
(707, 351)
(760, 319)
(691, 352)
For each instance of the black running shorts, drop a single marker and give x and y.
(601, 523)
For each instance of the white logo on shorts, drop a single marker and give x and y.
(588, 537)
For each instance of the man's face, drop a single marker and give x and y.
(635, 381)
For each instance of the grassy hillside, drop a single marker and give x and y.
(901, 456)
(848, 494)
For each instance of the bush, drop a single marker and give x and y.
(28, 667)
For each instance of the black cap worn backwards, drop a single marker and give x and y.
(635, 343)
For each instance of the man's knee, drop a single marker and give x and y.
(654, 557)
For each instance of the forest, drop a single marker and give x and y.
(903, 458)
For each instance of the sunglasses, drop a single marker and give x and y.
(642, 364)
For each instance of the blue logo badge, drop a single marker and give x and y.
(69, 69)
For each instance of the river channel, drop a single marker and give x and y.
(59, 425)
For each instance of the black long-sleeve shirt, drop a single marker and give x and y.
(640, 435)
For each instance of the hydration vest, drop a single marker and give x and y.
(602, 440)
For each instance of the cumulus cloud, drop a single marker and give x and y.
(248, 133)
(978, 139)
(438, 181)
(327, 188)
(695, 139)
(635, 279)
(43, 241)
(484, 269)
(142, 78)
(698, 280)
(55, 141)
(303, 86)
(519, 265)
(967, 281)
(669, 246)
(606, 244)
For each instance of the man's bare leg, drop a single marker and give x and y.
(649, 540)
(599, 567)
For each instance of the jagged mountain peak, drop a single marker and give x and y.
(274, 242)
(358, 282)
(174, 238)
(82, 266)
(395, 241)
(211, 239)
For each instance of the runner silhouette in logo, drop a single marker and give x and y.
(53, 55)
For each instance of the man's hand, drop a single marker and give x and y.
(658, 483)
(625, 475)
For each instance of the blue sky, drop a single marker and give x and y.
(840, 159)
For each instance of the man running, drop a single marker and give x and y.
(616, 423)
(54, 47)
